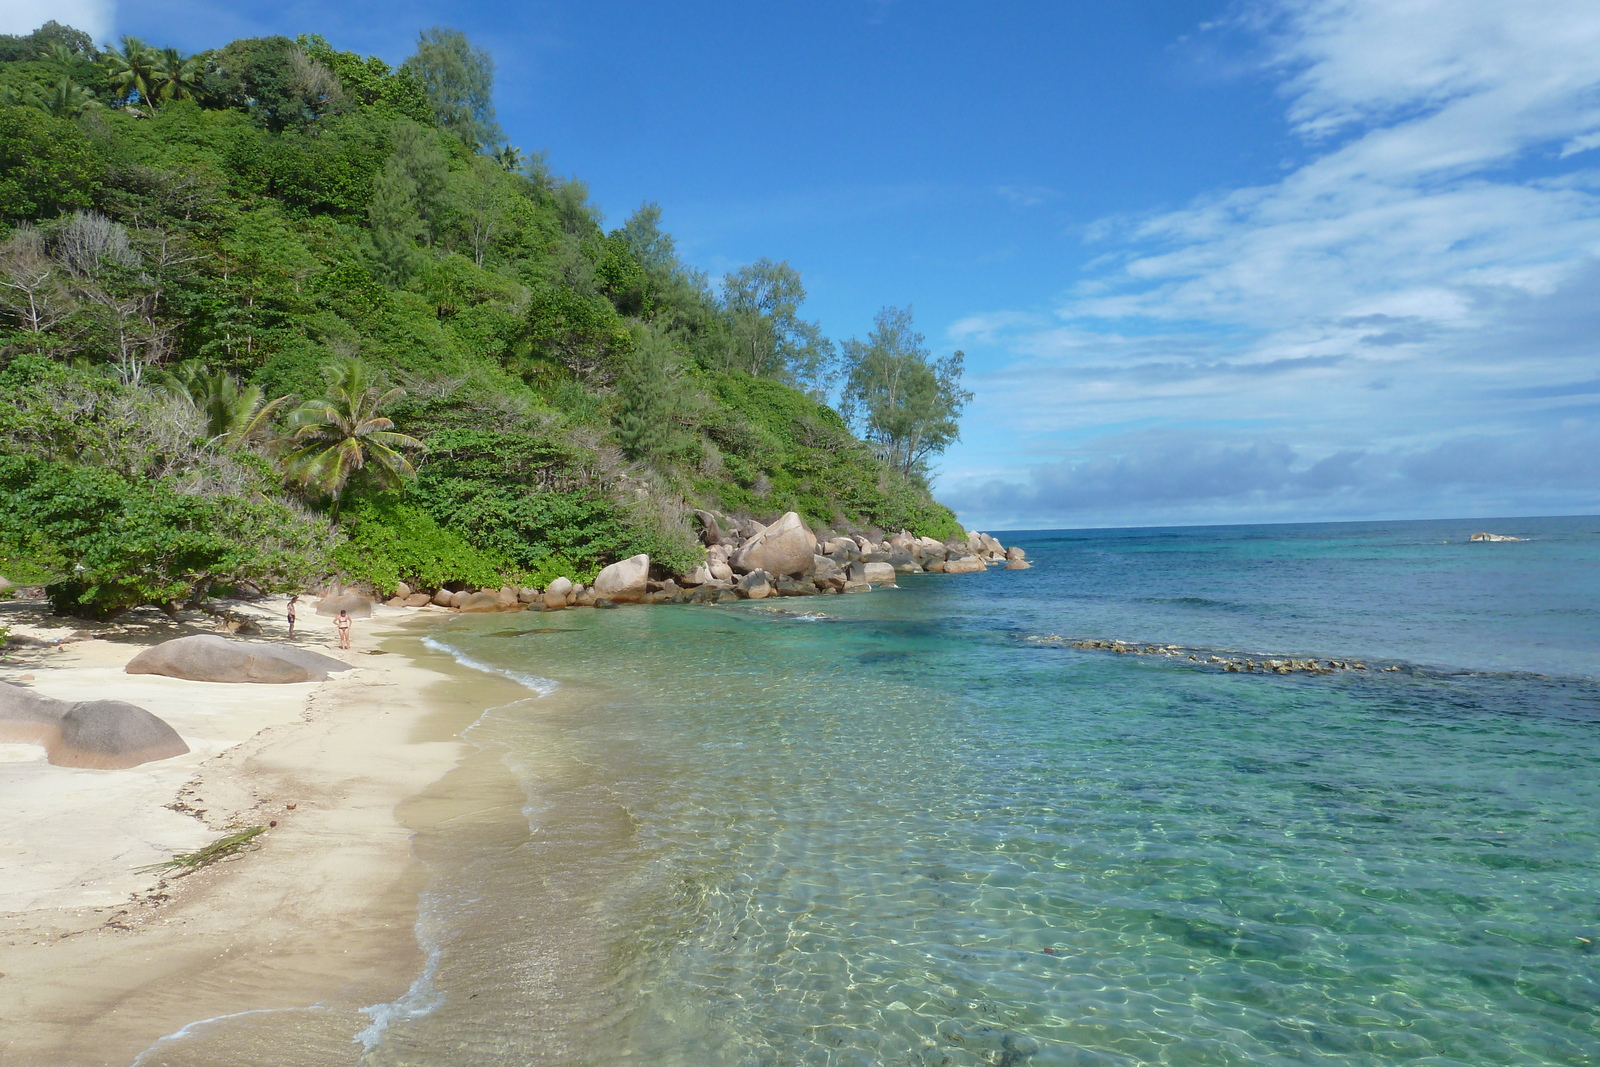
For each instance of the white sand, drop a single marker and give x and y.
(100, 961)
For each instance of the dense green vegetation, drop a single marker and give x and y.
(276, 311)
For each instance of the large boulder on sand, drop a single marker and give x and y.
(110, 735)
(28, 718)
(212, 658)
(104, 734)
(624, 581)
(785, 548)
(358, 606)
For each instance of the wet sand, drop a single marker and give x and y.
(103, 965)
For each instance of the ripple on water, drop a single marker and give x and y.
(907, 838)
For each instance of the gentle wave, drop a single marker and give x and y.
(542, 686)
(190, 1028)
(423, 997)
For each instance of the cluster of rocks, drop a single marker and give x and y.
(1231, 664)
(749, 561)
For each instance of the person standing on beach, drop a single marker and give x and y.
(343, 623)
(289, 611)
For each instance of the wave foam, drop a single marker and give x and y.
(542, 686)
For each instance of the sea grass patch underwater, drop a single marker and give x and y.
(904, 834)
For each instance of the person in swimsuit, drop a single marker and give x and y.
(290, 614)
(343, 623)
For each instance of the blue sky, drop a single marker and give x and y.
(1211, 261)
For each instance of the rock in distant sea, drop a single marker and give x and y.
(1493, 537)
(209, 658)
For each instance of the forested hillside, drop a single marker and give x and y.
(276, 312)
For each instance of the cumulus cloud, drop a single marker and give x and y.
(94, 17)
(1421, 285)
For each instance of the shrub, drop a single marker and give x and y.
(103, 543)
(390, 542)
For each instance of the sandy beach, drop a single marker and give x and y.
(99, 963)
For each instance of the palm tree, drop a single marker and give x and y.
(67, 100)
(178, 78)
(234, 417)
(134, 70)
(509, 157)
(332, 439)
(67, 60)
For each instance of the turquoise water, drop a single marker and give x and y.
(889, 829)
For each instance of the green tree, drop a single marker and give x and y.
(274, 80)
(646, 391)
(410, 200)
(66, 100)
(102, 543)
(458, 77)
(16, 48)
(906, 404)
(333, 439)
(481, 199)
(768, 337)
(370, 83)
(47, 165)
(236, 416)
(178, 77)
(134, 70)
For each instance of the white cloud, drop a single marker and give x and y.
(94, 17)
(1435, 253)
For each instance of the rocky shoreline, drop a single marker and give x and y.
(748, 560)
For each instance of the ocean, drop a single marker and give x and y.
(918, 827)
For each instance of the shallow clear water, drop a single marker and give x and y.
(904, 834)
